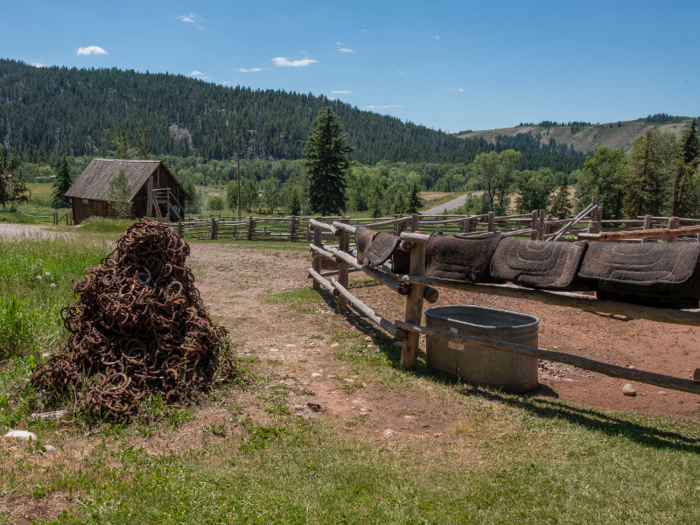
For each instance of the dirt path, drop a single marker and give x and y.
(451, 205)
(15, 231)
(232, 280)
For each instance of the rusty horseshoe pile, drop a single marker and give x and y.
(139, 327)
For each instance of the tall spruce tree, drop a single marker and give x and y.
(61, 185)
(645, 190)
(684, 194)
(143, 136)
(375, 201)
(294, 203)
(561, 205)
(415, 202)
(326, 160)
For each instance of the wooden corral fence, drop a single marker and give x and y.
(417, 288)
(54, 218)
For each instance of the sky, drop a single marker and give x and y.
(449, 65)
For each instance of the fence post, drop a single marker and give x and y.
(673, 224)
(492, 221)
(212, 231)
(55, 218)
(344, 246)
(251, 228)
(316, 262)
(548, 227)
(415, 218)
(596, 216)
(647, 225)
(534, 225)
(540, 225)
(472, 224)
(414, 308)
(292, 227)
(180, 229)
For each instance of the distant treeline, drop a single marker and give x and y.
(54, 110)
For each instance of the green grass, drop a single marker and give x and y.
(104, 225)
(293, 297)
(16, 218)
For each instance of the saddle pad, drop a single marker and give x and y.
(401, 262)
(381, 248)
(538, 264)
(663, 274)
(363, 238)
(449, 257)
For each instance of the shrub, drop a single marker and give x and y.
(215, 203)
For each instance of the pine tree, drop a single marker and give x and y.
(123, 150)
(375, 201)
(399, 204)
(561, 205)
(415, 202)
(12, 190)
(143, 135)
(684, 195)
(326, 160)
(119, 193)
(646, 184)
(61, 185)
(294, 204)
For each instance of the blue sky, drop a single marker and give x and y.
(450, 65)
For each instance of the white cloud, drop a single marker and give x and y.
(383, 107)
(38, 64)
(91, 50)
(281, 61)
(196, 73)
(458, 89)
(190, 19)
(399, 72)
(244, 70)
(345, 50)
(342, 92)
(339, 44)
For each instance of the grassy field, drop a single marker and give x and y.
(513, 459)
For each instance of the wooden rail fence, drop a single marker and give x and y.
(416, 287)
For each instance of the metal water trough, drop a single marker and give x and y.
(479, 365)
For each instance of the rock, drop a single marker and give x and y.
(21, 434)
(291, 346)
(388, 433)
(335, 345)
(662, 393)
(357, 401)
(299, 414)
(58, 414)
(348, 380)
(49, 448)
(316, 374)
(314, 406)
(629, 390)
(298, 407)
(409, 417)
(274, 350)
(368, 339)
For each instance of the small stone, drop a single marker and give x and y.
(291, 346)
(629, 390)
(662, 393)
(437, 434)
(49, 448)
(347, 380)
(331, 376)
(335, 345)
(58, 414)
(298, 407)
(274, 350)
(21, 434)
(316, 374)
(357, 401)
(368, 339)
(409, 417)
(298, 414)
(388, 432)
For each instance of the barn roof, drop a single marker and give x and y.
(93, 183)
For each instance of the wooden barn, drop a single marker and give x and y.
(155, 191)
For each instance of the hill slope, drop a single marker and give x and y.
(74, 111)
(590, 137)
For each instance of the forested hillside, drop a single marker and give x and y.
(75, 112)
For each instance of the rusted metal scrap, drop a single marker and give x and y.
(139, 327)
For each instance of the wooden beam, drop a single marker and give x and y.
(414, 308)
(317, 277)
(373, 316)
(343, 246)
(149, 197)
(318, 242)
(654, 233)
(569, 300)
(630, 374)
